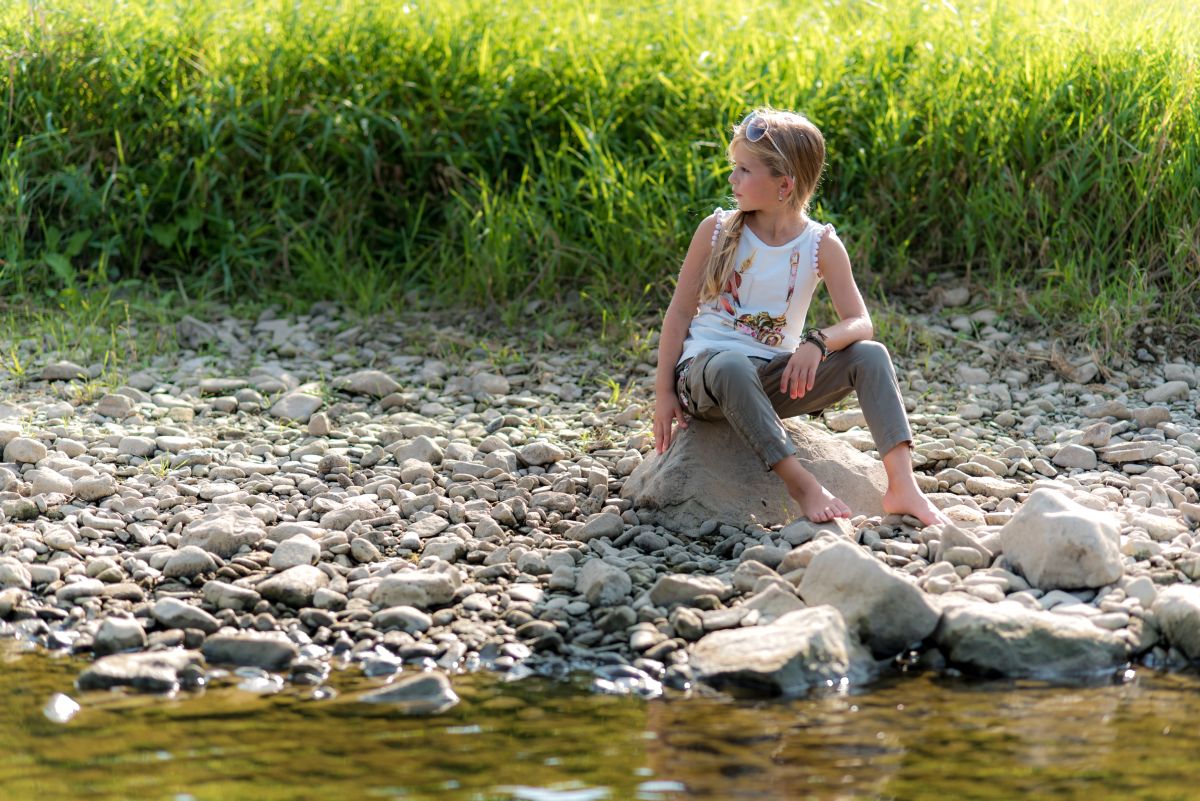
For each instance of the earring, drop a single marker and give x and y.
(780, 197)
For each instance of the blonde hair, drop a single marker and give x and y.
(788, 135)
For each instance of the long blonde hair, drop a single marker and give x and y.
(788, 134)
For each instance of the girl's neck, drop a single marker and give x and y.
(776, 227)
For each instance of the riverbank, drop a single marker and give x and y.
(282, 493)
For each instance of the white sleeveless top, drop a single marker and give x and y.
(762, 310)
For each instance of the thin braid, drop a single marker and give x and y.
(723, 259)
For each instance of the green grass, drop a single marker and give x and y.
(490, 154)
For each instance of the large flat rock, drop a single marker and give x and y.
(800, 651)
(709, 473)
(1011, 640)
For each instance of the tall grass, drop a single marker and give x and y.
(495, 153)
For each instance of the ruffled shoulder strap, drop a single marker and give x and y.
(719, 213)
(822, 232)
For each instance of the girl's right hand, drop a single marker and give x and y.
(667, 410)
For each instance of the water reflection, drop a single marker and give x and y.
(912, 737)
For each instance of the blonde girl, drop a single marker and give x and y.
(734, 344)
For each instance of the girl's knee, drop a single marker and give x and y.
(729, 366)
(870, 354)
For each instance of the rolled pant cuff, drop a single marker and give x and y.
(776, 453)
(891, 439)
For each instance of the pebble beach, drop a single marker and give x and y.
(288, 496)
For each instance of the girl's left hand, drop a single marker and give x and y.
(801, 370)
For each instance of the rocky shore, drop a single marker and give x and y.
(287, 496)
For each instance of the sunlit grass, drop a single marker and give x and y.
(493, 153)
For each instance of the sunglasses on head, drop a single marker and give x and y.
(755, 128)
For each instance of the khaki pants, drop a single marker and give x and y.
(744, 391)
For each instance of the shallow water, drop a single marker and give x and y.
(909, 737)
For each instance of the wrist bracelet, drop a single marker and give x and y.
(815, 336)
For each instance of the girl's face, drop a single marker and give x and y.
(754, 187)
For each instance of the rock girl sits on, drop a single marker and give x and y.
(733, 343)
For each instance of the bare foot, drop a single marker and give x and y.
(818, 504)
(911, 501)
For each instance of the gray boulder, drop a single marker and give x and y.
(375, 383)
(605, 524)
(153, 671)
(1056, 543)
(298, 550)
(189, 561)
(800, 651)
(408, 619)
(690, 483)
(175, 614)
(117, 634)
(675, 589)
(886, 610)
(1012, 640)
(296, 406)
(422, 694)
(603, 584)
(229, 596)
(224, 532)
(294, 587)
(24, 450)
(422, 589)
(1177, 609)
(250, 650)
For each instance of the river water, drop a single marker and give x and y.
(920, 736)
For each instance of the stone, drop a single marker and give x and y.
(374, 383)
(773, 603)
(1177, 610)
(175, 614)
(1166, 392)
(1056, 543)
(14, 574)
(136, 446)
(491, 383)
(47, 481)
(298, 550)
(423, 589)
(689, 484)
(152, 671)
(993, 487)
(189, 562)
(224, 532)
(673, 590)
(118, 407)
(423, 449)
(64, 371)
(602, 584)
(229, 596)
(94, 488)
(1012, 640)
(296, 406)
(87, 588)
(250, 650)
(408, 619)
(1074, 456)
(800, 651)
(541, 453)
(886, 610)
(422, 694)
(605, 524)
(293, 587)
(363, 551)
(24, 450)
(117, 634)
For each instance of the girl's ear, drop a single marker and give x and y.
(788, 185)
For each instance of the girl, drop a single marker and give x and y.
(733, 342)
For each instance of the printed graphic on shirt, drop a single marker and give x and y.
(762, 326)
